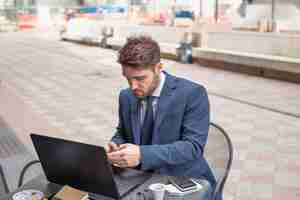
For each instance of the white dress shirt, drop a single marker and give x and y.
(156, 94)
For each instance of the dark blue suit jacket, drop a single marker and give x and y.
(180, 132)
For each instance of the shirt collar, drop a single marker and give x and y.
(157, 91)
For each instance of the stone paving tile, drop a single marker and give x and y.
(13, 156)
(75, 88)
(266, 92)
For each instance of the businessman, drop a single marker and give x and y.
(163, 119)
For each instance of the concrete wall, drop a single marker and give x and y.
(6, 4)
(287, 14)
(252, 42)
(52, 3)
(57, 3)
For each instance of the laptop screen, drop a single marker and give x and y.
(79, 165)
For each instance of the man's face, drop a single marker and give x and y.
(142, 81)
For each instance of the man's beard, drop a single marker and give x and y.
(154, 84)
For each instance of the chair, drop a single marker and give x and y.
(219, 154)
(24, 170)
(3, 184)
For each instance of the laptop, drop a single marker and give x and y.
(85, 167)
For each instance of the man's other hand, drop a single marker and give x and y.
(128, 155)
(111, 147)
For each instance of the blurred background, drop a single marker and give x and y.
(250, 15)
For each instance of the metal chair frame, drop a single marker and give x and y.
(3, 180)
(221, 182)
(25, 168)
(219, 186)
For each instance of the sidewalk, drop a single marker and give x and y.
(75, 89)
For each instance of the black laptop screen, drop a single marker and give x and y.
(79, 165)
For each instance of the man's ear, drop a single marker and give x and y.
(158, 67)
(161, 66)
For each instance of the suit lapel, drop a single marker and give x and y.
(163, 104)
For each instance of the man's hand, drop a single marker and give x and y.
(111, 147)
(128, 155)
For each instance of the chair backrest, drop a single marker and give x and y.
(25, 169)
(219, 153)
(3, 183)
(14, 154)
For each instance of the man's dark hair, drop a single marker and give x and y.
(139, 51)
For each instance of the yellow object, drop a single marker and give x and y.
(69, 193)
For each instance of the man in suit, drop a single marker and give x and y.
(163, 119)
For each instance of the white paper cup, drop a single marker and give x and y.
(157, 191)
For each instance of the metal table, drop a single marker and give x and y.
(41, 184)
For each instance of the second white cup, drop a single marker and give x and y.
(157, 190)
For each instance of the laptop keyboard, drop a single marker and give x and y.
(93, 196)
(129, 180)
(126, 182)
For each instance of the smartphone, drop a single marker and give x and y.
(183, 183)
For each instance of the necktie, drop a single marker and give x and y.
(148, 124)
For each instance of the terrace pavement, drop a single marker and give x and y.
(70, 90)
